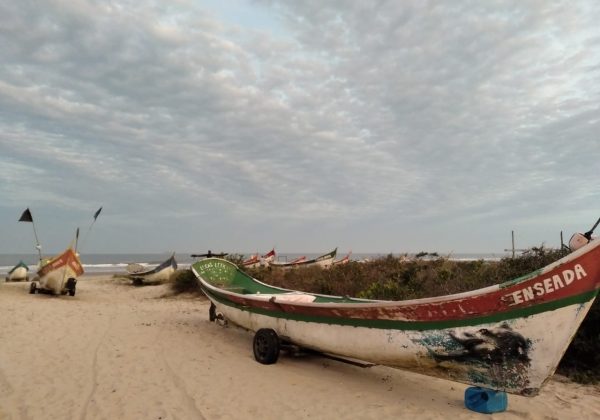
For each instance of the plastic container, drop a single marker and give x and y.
(487, 401)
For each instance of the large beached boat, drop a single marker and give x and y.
(508, 337)
(58, 275)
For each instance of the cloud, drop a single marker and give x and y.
(329, 113)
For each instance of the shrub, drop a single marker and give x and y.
(184, 281)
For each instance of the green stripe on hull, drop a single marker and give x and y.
(414, 325)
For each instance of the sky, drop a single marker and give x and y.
(238, 126)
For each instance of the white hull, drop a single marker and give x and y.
(408, 349)
(19, 274)
(161, 276)
(325, 263)
(55, 281)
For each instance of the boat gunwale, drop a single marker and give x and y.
(371, 303)
(313, 261)
(165, 264)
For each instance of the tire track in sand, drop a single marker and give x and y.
(179, 383)
(90, 396)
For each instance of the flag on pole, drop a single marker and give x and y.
(97, 213)
(26, 216)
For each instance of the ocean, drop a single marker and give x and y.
(116, 263)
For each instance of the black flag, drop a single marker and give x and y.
(26, 216)
(97, 213)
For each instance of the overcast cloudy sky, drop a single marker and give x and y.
(373, 126)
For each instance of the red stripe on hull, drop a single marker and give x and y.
(66, 258)
(574, 277)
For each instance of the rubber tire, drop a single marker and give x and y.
(70, 286)
(266, 346)
(212, 312)
(32, 288)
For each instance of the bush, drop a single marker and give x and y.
(184, 281)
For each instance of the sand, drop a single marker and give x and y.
(115, 351)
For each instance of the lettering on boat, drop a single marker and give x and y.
(216, 270)
(546, 286)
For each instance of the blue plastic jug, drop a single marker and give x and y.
(483, 400)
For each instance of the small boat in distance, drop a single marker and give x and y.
(139, 273)
(19, 272)
(298, 260)
(323, 261)
(344, 260)
(256, 260)
(58, 275)
(252, 262)
(508, 337)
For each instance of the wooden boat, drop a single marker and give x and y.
(256, 260)
(507, 337)
(323, 261)
(344, 260)
(58, 275)
(252, 262)
(139, 273)
(19, 272)
(298, 260)
(269, 256)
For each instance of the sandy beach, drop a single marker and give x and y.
(115, 351)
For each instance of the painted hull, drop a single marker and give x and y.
(252, 262)
(508, 337)
(256, 261)
(19, 272)
(342, 261)
(53, 275)
(324, 261)
(160, 273)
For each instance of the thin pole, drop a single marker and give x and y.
(512, 232)
(562, 244)
(37, 242)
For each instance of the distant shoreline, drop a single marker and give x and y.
(116, 263)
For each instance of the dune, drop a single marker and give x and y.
(118, 351)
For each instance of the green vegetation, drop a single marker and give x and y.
(393, 278)
(184, 281)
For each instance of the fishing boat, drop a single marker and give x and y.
(298, 260)
(257, 260)
(19, 272)
(344, 260)
(323, 261)
(269, 257)
(140, 273)
(58, 275)
(508, 337)
(252, 262)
